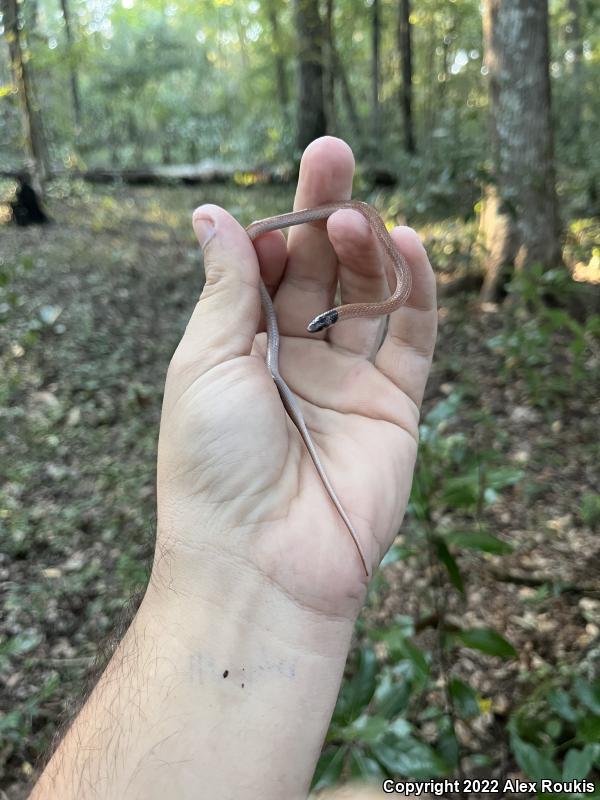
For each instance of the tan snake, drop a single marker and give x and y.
(327, 318)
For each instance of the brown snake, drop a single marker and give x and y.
(327, 318)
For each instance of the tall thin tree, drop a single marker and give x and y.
(337, 75)
(311, 119)
(33, 134)
(330, 67)
(405, 50)
(74, 80)
(575, 68)
(348, 98)
(277, 48)
(520, 219)
(375, 71)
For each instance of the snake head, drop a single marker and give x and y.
(322, 321)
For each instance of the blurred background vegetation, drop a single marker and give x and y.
(479, 651)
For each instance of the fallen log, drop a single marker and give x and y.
(188, 174)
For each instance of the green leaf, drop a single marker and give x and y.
(559, 701)
(578, 763)
(502, 477)
(364, 766)
(418, 660)
(447, 744)
(461, 492)
(464, 699)
(49, 688)
(449, 562)
(365, 729)
(397, 552)
(590, 509)
(588, 694)
(21, 643)
(478, 540)
(356, 693)
(532, 761)
(488, 641)
(365, 680)
(410, 758)
(12, 721)
(392, 698)
(588, 729)
(395, 636)
(553, 727)
(443, 410)
(329, 767)
(400, 727)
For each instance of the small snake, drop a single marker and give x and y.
(327, 318)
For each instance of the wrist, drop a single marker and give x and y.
(202, 593)
(244, 658)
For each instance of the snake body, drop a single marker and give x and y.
(327, 318)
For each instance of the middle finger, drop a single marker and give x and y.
(309, 282)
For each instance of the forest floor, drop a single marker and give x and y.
(91, 309)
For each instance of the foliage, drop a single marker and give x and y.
(558, 722)
(178, 82)
(528, 343)
(383, 708)
(80, 413)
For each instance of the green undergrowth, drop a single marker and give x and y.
(399, 707)
(91, 308)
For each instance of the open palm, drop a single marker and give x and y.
(235, 480)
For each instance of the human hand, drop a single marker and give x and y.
(235, 482)
(236, 654)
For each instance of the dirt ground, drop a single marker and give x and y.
(92, 308)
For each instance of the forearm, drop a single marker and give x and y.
(230, 695)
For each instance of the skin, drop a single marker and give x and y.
(228, 675)
(326, 319)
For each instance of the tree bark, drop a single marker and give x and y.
(311, 120)
(405, 50)
(283, 95)
(330, 63)
(520, 219)
(375, 74)
(430, 101)
(72, 71)
(575, 67)
(353, 117)
(30, 119)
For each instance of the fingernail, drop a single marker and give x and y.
(204, 228)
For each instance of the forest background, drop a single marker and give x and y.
(479, 651)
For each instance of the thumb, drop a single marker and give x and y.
(224, 323)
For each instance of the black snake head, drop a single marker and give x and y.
(322, 321)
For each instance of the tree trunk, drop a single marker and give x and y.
(443, 71)
(575, 46)
(353, 117)
(242, 39)
(72, 71)
(430, 102)
(26, 208)
(520, 218)
(283, 95)
(375, 75)
(405, 50)
(30, 119)
(311, 121)
(329, 83)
